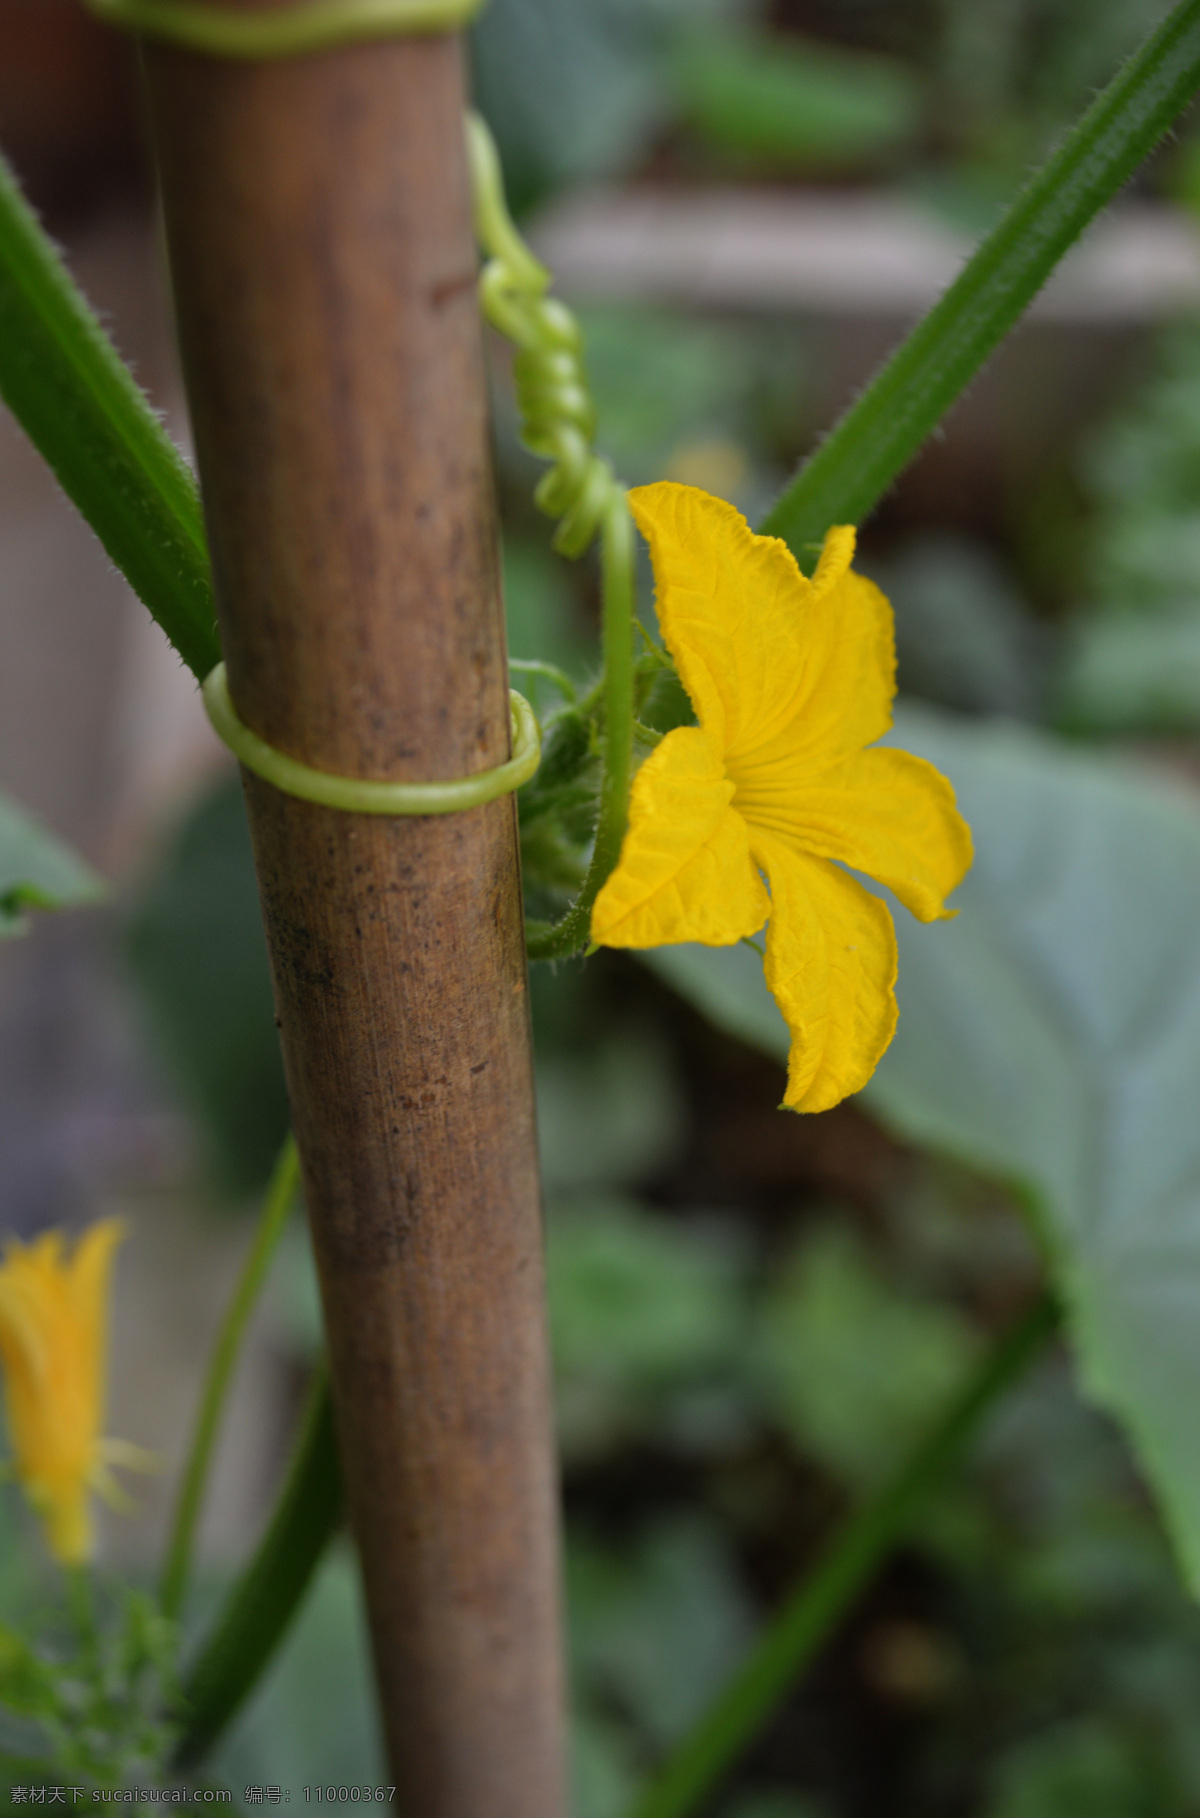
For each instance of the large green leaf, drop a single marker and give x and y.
(1050, 1036)
(793, 102)
(37, 871)
(81, 407)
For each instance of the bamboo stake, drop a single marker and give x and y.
(319, 230)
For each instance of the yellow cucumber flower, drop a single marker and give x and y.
(53, 1347)
(790, 680)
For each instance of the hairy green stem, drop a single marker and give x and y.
(823, 1597)
(845, 478)
(78, 403)
(271, 1589)
(277, 1204)
(617, 557)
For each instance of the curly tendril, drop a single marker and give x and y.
(581, 490)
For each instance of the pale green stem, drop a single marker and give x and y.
(276, 1206)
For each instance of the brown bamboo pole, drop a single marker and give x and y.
(317, 216)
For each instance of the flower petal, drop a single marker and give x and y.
(884, 812)
(766, 654)
(685, 872)
(831, 967)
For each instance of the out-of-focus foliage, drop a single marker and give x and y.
(197, 951)
(655, 1624)
(791, 103)
(97, 1711)
(1012, 72)
(1134, 664)
(646, 1319)
(312, 1718)
(1051, 1037)
(574, 89)
(580, 90)
(851, 1364)
(37, 871)
(965, 636)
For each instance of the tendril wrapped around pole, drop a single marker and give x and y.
(580, 490)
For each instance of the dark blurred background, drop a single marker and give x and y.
(753, 1314)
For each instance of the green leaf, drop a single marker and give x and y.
(1133, 673)
(312, 1719)
(794, 103)
(857, 1369)
(603, 1766)
(196, 945)
(1083, 1768)
(265, 1600)
(657, 1630)
(79, 405)
(608, 1115)
(640, 1305)
(851, 470)
(964, 636)
(26, 1686)
(1050, 1036)
(37, 871)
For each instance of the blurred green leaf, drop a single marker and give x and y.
(603, 1766)
(657, 1629)
(662, 379)
(1015, 72)
(1050, 1036)
(1084, 1769)
(26, 1687)
(542, 614)
(776, 1805)
(796, 104)
(574, 89)
(607, 1114)
(639, 1305)
(855, 1368)
(196, 946)
(37, 871)
(964, 636)
(1132, 663)
(1127, 673)
(313, 1718)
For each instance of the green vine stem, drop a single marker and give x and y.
(851, 470)
(277, 1204)
(271, 1589)
(220, 31)
(823, 1596)
(78, 403)
(558, 423)
(365, 795)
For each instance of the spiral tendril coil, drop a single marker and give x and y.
(580, 490)
(558, 419)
